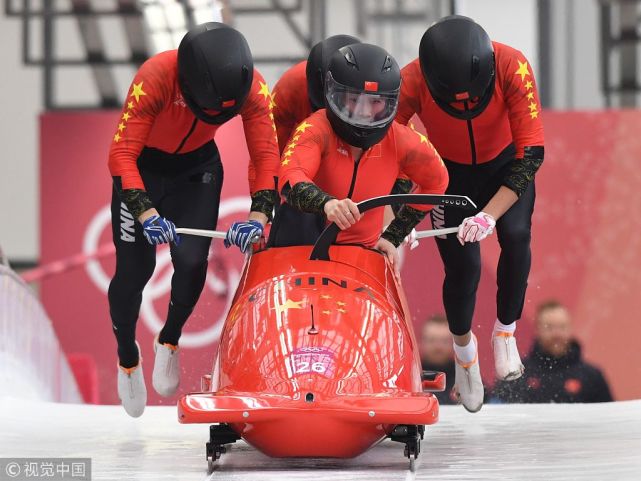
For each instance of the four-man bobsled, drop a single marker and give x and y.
(317, 357)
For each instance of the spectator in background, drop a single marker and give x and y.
(555, 370)
(437, 354)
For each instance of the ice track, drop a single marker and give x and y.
(517, 442)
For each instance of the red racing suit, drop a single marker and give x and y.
(315, 154)
(513, 115)
(155, 115)
(291, 103)
(502, 146)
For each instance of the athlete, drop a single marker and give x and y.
(353, 150)
(166, 170)
(479, 104)
(299, 93)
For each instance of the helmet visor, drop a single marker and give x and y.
(365, 107)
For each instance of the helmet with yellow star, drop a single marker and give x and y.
(215, 71)
(316, 66)
(457, 61)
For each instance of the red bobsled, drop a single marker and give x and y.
(317, 357)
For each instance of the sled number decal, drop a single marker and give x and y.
(317, 360)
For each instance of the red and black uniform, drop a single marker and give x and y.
(156, 116)
(291, 102)
(502, 146)
(291, 106)
(513, 115)
(161, 149)
(316, 156)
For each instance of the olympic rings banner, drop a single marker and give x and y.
(585, 252)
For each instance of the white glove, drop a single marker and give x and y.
(475, 229)
(411, 240)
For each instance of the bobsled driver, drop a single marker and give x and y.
(297, 94)
(166, 169)
(353, 150)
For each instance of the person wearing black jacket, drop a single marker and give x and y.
(555, 370)
(437, 354)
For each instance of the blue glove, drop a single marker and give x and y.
(243, 234)
(159, 230)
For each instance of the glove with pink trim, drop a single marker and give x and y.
(475, 229)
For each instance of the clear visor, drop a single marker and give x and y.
(360, 108)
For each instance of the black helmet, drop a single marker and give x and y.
(317, 62)
(362, 86)
(457, 60)
(215, 71)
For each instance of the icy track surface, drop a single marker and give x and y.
(517, 442)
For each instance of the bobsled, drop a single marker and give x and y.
(317, 355)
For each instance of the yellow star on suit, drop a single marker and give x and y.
(522, 70)
(303, 127)
(264, 91)
(137, 91)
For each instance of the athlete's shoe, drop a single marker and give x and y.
(468, 385)
(507, 361)
(166, 376)
(131, 388)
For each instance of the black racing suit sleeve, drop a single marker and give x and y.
(264, 201)
(522, 171)
(306, 197)
(136, 200)
(401, 186)
(406, 219)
